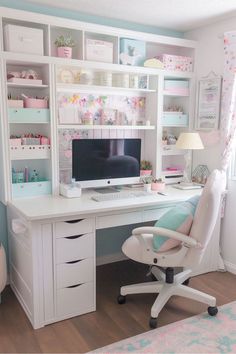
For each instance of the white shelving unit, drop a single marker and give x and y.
(47, 65)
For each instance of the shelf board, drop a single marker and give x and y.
(105, 127)
(172, 151)
(21, 59)
(13, 84)
(174, 126)
(89, 88)
(166, 93)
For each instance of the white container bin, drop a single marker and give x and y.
(21, 39)
(97, 50)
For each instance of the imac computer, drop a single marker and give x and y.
(106, 162)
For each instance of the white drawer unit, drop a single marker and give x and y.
(75, 272)
(74, 248)
(75, 300)
(74, 227)
(20, 39)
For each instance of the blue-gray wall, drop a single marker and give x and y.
(109, 240)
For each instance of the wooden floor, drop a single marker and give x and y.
(111, 322)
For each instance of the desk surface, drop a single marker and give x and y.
(49, 207)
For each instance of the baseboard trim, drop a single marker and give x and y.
(110, 258)
(230, 267)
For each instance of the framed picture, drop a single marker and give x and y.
(208, 103)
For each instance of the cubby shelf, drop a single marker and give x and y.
(105, 127)
(96, 88)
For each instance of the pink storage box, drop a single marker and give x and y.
(35, 103)
(176, 62)
(15, 103)
(44, 141)
(15, 142)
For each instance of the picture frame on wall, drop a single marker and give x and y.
(208, 102)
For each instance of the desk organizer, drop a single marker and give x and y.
(31, 189)
(28, 115)
(175, 119)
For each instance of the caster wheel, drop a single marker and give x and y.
(212, 310)
(186, 282)
(121, 299)
(153, 322)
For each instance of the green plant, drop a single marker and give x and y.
(62, 41)
(147, 179)
(146, 165)
(158, 180)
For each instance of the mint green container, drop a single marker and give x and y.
(31, 189)
(174, 119)
(28, 115)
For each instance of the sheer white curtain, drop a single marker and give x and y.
(228, 111)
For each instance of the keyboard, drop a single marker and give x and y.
(119, 196)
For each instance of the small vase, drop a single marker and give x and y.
(158, 186)
(64, 52)
(147, 187)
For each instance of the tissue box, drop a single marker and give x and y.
(132, 52)
(66, 190)
(176, 62)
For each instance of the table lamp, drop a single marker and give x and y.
(188, 141)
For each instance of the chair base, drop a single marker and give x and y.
(166, 290)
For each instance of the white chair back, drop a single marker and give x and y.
(206, 216)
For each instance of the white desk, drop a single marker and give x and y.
(53, 256)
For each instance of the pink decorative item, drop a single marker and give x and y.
(64, 52)
(145, 172)
(176, 62)
(44, 140)
(15, 142)
(35, 103)
(158, 186)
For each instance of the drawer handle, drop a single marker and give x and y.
(73, 237)
(73, 221)
(73, 286)
(73, 262)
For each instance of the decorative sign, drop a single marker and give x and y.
(208, 105)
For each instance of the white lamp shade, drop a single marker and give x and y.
(189, 141)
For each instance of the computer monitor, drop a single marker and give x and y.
(106, 162)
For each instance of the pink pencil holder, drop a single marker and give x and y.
(158, 186)
(35, 103)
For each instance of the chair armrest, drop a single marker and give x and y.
(187, 240)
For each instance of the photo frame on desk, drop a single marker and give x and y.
(208, 102)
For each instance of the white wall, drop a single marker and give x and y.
(210, 57)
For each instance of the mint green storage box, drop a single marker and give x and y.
(28, 115)
(176, 84)
(174, 120)
(31, 189)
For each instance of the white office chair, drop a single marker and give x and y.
(187, 255)
(3, 269)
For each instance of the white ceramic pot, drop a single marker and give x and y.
(147, 187)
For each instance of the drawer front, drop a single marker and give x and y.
(74, 248)
(76, 300)
(76, 272)
(74, 227)
(118, 220)
(175, 119)
(28, 115)
(154, 214)
(21, 190)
